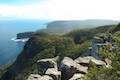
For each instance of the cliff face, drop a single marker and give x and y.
(24, 35)
(41, 46)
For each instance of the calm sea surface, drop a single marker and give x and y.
(9, 49)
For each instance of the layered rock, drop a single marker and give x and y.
(34, 77)
(54, 73)
(46, 77)
(85, 61)
(45, 64)
(69, 69)
(77, 76)
(38, 77)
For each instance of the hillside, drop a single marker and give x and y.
(39, 47)
(110, 54)
(42, 45)
(79, 36)
(117, 28)
(62, 27)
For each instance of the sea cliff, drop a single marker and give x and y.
(24, 35)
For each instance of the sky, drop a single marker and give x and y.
(60, 9)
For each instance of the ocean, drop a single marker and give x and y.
(10, 49)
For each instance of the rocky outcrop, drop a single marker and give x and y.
(54, 73)
(34, 77)
(24, 35)
(38, 77)
(45, 64)
(69, 69)
(108, 63)
(77, 76)
(85, 61)
(46, 77)
(49, 67)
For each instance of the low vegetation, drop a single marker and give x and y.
(104, 73)
(74, 44)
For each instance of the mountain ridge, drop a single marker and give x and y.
(65, 26)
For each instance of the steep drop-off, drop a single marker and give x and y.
(42, 45)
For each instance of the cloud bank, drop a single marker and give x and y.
(64, 10)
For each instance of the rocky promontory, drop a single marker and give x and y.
(68, 69)
(76, 52)
(24, 35)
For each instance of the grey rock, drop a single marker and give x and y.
(86, 60)
(44, 64)
(46, 77)
(38, 77)
(77, 76)
(70, 67)
(34, 77)
(54, 73)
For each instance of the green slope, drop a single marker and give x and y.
(42, 45)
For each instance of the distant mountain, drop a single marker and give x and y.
(62, 27)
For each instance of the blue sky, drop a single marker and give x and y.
(20, 2)
(60, 9)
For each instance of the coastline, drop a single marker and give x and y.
(20, 40)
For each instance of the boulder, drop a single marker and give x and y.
(38, 77)
(46, 77)
(83, 61)
(69, 63)
(86, 60)
(77, 76)
(34, 77)
(108, 63)
(98, 62)
(44, 64)
(70, 67)
(54, 73)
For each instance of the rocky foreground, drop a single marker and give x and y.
(68, 69)
(98, 46)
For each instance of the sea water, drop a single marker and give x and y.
(10, 49)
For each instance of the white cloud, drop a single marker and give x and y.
(65, 9)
